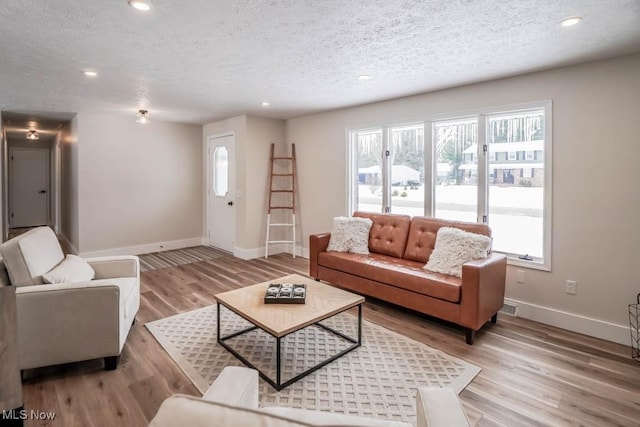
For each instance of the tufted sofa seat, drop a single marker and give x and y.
(400, 246)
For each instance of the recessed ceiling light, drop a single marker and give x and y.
(89, 73)
(265, 104)
(573, 20)
(364, 77)
(140, 5)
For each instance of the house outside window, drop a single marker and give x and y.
(464, 169)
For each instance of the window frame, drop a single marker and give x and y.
(482, 116)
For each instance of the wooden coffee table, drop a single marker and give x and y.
(280, 320)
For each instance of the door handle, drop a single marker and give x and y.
(42, 191)
(230, 203)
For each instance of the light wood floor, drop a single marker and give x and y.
(532, 374)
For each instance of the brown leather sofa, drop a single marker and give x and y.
(400, 247)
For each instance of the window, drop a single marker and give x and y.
(367, 180)
(407, 169)
(456, 190)
(221, 171)
(465, 169)
(516, 202)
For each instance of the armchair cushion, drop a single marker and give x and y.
(440, 407)
(72, 269)
(30, 255)
(194, 412)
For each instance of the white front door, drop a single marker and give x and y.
(221, 218)
(29, 187)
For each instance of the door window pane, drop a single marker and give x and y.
(456, 170)
(220, 171)
(407, 170)
(368, 146)
(516, 186)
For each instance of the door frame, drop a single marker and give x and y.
(11, 200)
(209, 141)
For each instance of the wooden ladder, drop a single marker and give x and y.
(291, 175)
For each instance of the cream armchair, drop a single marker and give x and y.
(69, 322)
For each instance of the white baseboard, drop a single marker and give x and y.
(273, 250)
(147, 248)
(573, 322)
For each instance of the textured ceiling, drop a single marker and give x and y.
(199, 60)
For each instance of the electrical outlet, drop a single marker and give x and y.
(519, 276)
(571, 287)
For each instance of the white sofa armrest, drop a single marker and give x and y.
(235, 386)
(440, 407)
(115, 266)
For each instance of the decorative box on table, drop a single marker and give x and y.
(286, 293)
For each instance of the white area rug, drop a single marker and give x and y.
(378, 379)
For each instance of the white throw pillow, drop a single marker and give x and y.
(455, 247)
(71, 269)
(350, 235)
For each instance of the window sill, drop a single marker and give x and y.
(534, 265)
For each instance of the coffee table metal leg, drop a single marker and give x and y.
(359, 324)
(278, 362)
(218, 322)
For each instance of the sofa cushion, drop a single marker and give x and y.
(30, 255)
(322, 418)
(455, 247)
(350, 235)
(423, 231)
(388, 235)
(398, 272)
(71, 269)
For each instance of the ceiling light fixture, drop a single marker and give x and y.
(143, 117)
(573, 20)
(33, 135)
(265, 104)
(364, 77)
(89, 73)
(140, 5)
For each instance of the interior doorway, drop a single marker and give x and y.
(221, 211)
(29, 187)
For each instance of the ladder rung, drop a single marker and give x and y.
(280, 241)
(282, 224)
(283, 158)
(282, 191)
(280, 207)
(282, 174)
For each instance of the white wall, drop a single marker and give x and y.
(261, 132)
(139, 186)
(253, 138)
(69, 208)
(596, 202)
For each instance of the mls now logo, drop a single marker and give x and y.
(23, 414)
